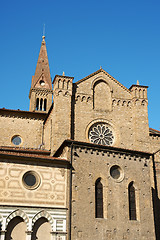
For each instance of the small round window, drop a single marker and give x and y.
(116, 173)
(31, 180)
(16, 140)
(42, 83)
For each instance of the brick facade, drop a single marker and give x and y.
(52, 156)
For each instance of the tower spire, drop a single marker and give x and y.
(41, 82)
(42, 69)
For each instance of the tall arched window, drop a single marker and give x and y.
(102, 96)
(41, 104)
(45, 104)
(37, 104)
(98, 199)
(132, 202)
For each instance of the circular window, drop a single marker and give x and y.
(16, 140)
(42, 83)
(31, 180)
(116, 173)
(101, 133)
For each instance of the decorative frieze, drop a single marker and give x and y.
(62, 92)
(83, 98)
(112, 154)
(129, 102)
(55, 217)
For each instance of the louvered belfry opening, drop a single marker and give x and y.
(132, 202)
(98, 199)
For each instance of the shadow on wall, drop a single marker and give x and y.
(156, 210)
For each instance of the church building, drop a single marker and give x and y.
(82, 163)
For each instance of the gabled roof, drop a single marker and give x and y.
(107, 74)
(29, 154)
(154, 131)
(42, 67)
(23, 114)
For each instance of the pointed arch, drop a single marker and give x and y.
(64, 84)
(41, 229)
(136, 92)
(144, 93)
(143, 103)
(68, 82)
(98, 198)
(59, 83)
(17, 213)
(132, 201)
(140, 93)
(16, 229)
(100, 78)
(43, 214)
(102, 96)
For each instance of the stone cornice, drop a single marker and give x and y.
(102, 148)
(41, 90)
(60, 76)
(138, 86)
(22, 114)
(25, 150)
(30, 155)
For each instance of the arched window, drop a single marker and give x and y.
(144, 93)
(16, 229)
(68, 84)
(41, 230)
(37, 104)
(59, 83)
(102, 96)
(132, 202)
(41, 103)
(98, 199)
(45, 104)
(136, 92)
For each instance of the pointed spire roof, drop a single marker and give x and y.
(42, 78)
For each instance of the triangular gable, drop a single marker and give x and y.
(43, 78)
(107, 74)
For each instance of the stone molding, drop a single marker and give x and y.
(130, 156)
(44, 214)
(18, 213)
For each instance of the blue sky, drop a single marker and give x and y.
(121, 36)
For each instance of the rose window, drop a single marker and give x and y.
(100, 133)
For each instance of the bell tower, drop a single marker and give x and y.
(41, 88)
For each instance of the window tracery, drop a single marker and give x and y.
(101, 133)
